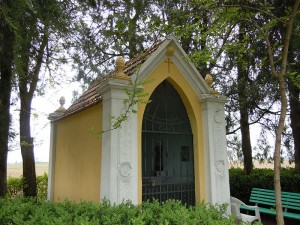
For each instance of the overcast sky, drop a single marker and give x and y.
(42, 106)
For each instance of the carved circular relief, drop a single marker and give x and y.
(217, 117)
(220, 167)
(125, 170)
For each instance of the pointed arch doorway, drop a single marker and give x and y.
(167, 148)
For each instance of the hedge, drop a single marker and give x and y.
(15, 187)
(20, 210)
(241, 184)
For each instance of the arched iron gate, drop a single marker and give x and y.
(167, 148)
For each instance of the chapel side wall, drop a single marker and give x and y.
(78, 156)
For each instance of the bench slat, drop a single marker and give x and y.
(266, 197)
(291, 215)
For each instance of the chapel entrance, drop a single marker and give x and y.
(167, 148)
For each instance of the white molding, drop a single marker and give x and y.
(119, 166)
(51, 165)
(215, 149)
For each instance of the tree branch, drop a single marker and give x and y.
(287, 37)
(269, 48)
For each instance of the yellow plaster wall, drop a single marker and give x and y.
(191, 102)
(78, 157)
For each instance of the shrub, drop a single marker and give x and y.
(29, 211)
(15, 186)
(42, 186)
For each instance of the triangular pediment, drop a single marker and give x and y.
(180, 59)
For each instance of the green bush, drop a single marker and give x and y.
(241, 184)
(15, 187)
(42, 186)
(29, 211)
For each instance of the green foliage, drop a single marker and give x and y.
(135, 96)
(15, 187)
(294, 77)
(42, 186)
(241, 184)
(28, 211)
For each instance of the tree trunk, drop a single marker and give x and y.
(245, 129)
(277, 163)
(283, 100)
(246, 141)
(28, 80)
(27, 146)
(243, 108)
(294, 101)
(6, 62)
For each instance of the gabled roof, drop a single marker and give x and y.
(91, 96)
(147, 60)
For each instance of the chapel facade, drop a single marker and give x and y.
(172, 143)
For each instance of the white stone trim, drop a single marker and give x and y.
(51, 166)
(119, 166)
(215, 149)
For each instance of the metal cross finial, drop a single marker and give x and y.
(169, 61)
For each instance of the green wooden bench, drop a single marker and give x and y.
(265, 200)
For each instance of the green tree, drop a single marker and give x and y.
(278, 59)
(6, 74)
(43, 24)
(122, 30)
(36, 30)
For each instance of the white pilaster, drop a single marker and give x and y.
(51, 168)
(119, 166)
(215, 149)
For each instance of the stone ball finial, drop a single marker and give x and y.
(120, 65)
(209, 80)
(170, 50)
(60, 111)
(62, 101)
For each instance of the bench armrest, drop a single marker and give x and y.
(250, 206)
(256, 208)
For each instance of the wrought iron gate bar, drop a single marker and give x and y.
(165, 132)
(185, 192)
